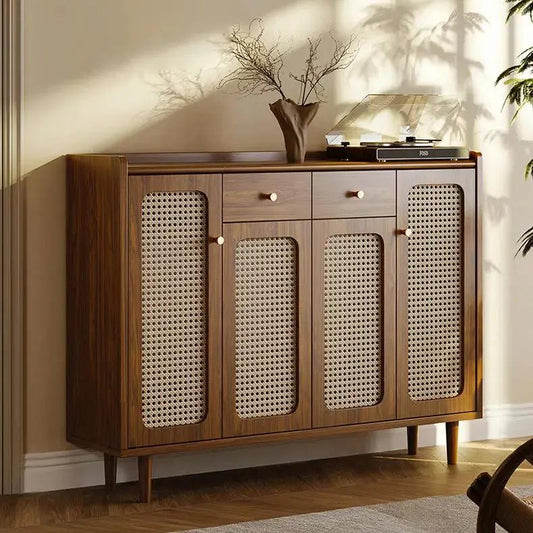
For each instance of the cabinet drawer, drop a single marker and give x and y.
(279, 196)
(354, 194)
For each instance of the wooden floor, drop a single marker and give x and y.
(256, 493)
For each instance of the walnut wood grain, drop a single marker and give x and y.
(174, 164)
(284, 436)
(110, 471)
(210, 427)
(246, 197)
(386, 408)
(489, 506)
(466, 400)
(412, 440)
(476, 156)
(261, 157)
(145, 478)
(452, 442)
(96, 299)
(100, 388)
(300, 418)
(512, 513)
(334, 194)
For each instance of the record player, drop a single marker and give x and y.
(367, 133)
(410, 149)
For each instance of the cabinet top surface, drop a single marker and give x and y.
(224, 162)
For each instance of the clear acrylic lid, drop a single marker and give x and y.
(393, 117)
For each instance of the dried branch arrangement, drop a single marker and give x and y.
(260, 66)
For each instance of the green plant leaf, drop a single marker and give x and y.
(522, 7)
(529, 170)
(525, 65)
(507, 72)
(526, 242)
(520, 93)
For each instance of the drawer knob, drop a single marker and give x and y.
(407, 232)
(220, 240)
(272, 196)
(358, 194)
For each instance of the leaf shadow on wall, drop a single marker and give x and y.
(92, 41)
(400, 45)
(191, 109)
(403, 47)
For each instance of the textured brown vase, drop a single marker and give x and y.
(294, 120)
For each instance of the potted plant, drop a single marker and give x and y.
(519, 78)
(260, 70)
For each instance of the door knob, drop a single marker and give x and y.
(358, 194)
(407, 232)
(272, 196)
(219, 240)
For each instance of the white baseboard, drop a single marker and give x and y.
(81, 468)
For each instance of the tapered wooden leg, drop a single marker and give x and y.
(412, 439)
(110, 471)
(145, 478)
(452, 441)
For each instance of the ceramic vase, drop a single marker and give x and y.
(294, 120)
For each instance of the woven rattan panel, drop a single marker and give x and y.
(353, 321)
(174, 308)
(435, 292)
(266, 326)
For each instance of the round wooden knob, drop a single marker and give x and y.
(272, 196)
(407, 232)
(358, 194)
(220, 240)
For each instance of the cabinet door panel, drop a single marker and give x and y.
(354, 366)
(436, 292)
(174, 309)
(267, 362)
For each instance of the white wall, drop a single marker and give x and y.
(92, 82)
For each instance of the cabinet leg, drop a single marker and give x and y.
(412, 439)
(452, 441)
(110, 471)
(145, 478)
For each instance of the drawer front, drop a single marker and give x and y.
(272, 196)
(354, 194)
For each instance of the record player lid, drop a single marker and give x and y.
(392, 117)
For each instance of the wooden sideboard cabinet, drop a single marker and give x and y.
(231, 302)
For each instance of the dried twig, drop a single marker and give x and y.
(342, 57)
(260, 66)
(305, 78)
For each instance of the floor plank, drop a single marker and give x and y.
(256, 493)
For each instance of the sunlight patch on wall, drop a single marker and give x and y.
(89, 113)
(300, 20)
(94, 112)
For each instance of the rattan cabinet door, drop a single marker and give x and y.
(436, 292)
(174, 309)
(267, 327)
(354, 284)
